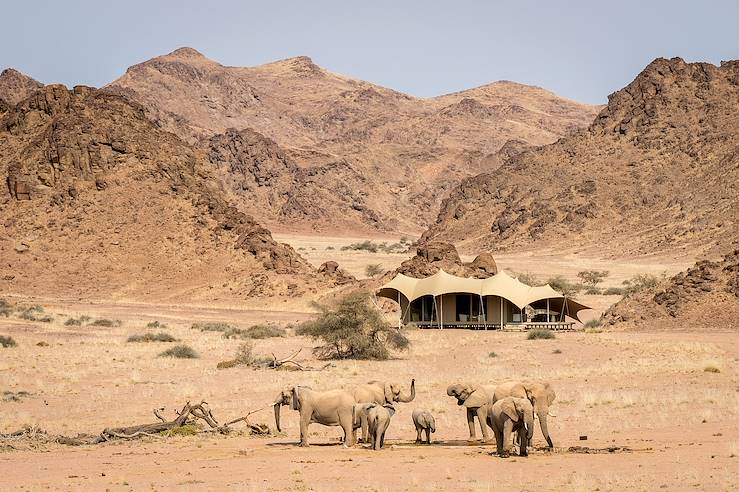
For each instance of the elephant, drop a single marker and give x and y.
(424, 421)
(539, 393)
(381, 392)
(331, 408)
(378, 420)
(511, 414)
(473, 398)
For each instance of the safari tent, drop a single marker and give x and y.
(501, 301)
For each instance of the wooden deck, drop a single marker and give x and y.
(477, 325)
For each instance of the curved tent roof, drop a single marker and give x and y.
(501, 284)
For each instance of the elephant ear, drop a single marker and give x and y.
(294, 402)
(509, 408)
(477, 398)
(389, 395)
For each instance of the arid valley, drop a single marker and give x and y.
(218, 276)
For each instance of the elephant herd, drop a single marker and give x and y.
(506, 409)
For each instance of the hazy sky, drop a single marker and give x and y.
(579, 49)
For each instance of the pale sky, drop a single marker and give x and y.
(583, 50)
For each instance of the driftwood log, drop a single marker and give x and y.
(190, 414)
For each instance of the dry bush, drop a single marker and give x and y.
(592, 277)
(152, 337)
(253, 332)
(155, 324)
(106, 323)
(540, 334)
(614, 291)
(711, 368)
(560, 284)
(593, 323)
(245, 356)
(180, 352)
(639, 282)
(7, 341)
(6, 309)
(34, 313)
(212, 326)
(355, 329)
(374, 270)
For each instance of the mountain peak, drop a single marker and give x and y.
(186, 52)
(16, 86)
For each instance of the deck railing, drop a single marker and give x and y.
(479, 325)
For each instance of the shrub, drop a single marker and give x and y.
(528, 279)
(155, 324)
(712, 368)
(106, 323)
(34, 313)
(73, 322)
(183, 430)
(556, 351)
(213, 326)
(614, 291)
(594, 291)
(540, 334)
(492, 355)
(152, 337)
(592, 277)
(7, 341)
(264, 331)
(373, 270)
(329, 248)
(639, 282)
(564, 286)
(180, 352)
(6, 309)
(367, 245)
(592, 323)
(245, 356)
(353, 330)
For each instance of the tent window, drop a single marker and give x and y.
(422, 309)
(468, 307)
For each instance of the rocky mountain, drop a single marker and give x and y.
(705, 296)
(15, 86)
(657, 171)
(101, 203)
(391, 157)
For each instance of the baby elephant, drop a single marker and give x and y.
(424, 421)
(511, 414)
(378, 419)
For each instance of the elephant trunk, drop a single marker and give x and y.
(542, 414)
(529, 421)
(277, 416)
(405, 398)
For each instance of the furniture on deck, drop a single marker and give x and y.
(479, 325)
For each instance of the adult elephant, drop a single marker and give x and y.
(475, 399)
(539, 393)
(383, 393)
(331, 408)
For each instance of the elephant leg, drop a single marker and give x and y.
(418, 434)
(498, 440)
(523, 443)
(507, 427)
(304, 421)
(348, 426)
(365, 426)
(482, 415)
(428, 436)
(471, 424)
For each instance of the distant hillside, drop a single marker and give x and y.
(657, 171)
(101, 203)
(395, 155)
(15, 86)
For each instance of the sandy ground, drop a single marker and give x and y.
(645, 392)
(647, 396)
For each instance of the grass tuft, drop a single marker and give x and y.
(492, 355)
(180, 352)
(540, 334)
(7, 341)
(107, 323)
(152, 337)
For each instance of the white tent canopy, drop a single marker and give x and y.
(501, 284)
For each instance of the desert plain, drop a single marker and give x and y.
(658, 409)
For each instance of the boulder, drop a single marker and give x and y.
(484, 265)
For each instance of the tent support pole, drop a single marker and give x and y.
(548, 319)
(482, 309)
(441, 306)
(501, 312)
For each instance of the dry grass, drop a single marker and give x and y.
(180, 352)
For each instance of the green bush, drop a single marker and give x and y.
(528, 279)
(264, 331)
(592, 277)
(180, 352)
(538, 334)
(7, 341)
(640, 282)
(560, 284)
(152, 337)
(355, 329)
(593, 291)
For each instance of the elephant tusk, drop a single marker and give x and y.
(550, 414)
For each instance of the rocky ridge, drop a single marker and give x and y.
(658, 169)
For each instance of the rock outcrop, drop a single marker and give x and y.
(705, 296)
(107, 204)
(435, 255)
(15, 86)
(658, 169)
